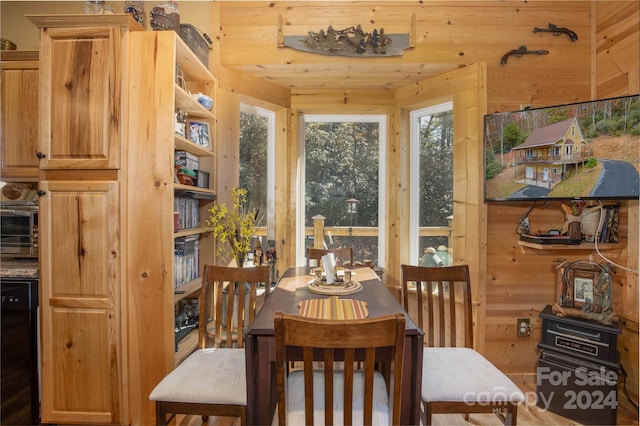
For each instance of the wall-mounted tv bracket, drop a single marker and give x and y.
(521, 51)
(556, 30)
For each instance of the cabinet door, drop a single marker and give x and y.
(81, 96)
(80, 306)
(19, 97)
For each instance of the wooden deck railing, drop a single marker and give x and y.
(319, 231)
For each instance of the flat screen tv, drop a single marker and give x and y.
(580, 151)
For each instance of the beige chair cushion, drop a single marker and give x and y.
(295, 399)
(207, 376)
(462, 374)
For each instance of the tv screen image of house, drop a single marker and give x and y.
(579, 151)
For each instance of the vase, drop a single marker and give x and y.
(240, 258)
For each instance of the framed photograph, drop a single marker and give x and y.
(580, 285)
(199, 133)
(583, 290)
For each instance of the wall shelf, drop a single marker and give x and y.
(582, 246)
(184, 144)
(190, 289)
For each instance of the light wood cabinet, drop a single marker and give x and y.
(107, 178)
(19, 111)
(81, 293)
(83, 101)
(83, 226)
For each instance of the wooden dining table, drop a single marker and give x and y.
(286, 297)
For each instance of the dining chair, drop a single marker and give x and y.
(341, 254)
(455, 377)
(329, 386)
(212, 380)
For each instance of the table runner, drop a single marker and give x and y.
(334, 308)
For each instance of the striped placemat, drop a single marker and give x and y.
(334, 308)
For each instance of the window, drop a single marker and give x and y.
(257, 161)
(342, 162)
(431, 185)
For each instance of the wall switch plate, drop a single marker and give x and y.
(524, 327)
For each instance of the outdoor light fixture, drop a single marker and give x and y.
(352, 206)
(352, 209)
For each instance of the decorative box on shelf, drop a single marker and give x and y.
(198, 42)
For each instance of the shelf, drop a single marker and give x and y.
(185, 102)
(189, 289)
(186, 346)
(181, 187)
(190, 231)
(583, 246)
(184, 144)
(190, 64)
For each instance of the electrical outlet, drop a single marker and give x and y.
(524, 327)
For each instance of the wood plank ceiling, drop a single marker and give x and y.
(253, 34)
(345, 76)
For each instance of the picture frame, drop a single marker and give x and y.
(577, 285)
(582, 290)
(199, 133)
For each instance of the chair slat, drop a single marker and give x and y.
(349, 362)
(452, 312)
(308, 382)
(431, 332)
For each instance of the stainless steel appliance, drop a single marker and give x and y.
(19, 229)
(20, 393)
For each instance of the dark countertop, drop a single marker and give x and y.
(19, 268)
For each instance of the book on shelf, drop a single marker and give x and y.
(188, 211)
(185, 266)
(609, 224)
(612, 235)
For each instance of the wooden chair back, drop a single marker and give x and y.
(443, 296)
(226, 289)
(340, 340)
(342, 254)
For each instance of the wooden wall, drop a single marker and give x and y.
(603, 62)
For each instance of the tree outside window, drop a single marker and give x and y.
(342, 163)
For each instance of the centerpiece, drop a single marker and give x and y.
(235, 226)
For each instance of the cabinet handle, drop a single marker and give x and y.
(41, 193)
(41, 155)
